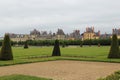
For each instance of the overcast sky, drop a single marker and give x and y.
(21, 16)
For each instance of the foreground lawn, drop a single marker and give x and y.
(115, 76)
(36, 54)
(21, 77)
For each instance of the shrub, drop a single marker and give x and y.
(56, 50)
(114, 50)
(63, 44)
(81, 44)
(6, 51)
(115, 76)
(26, 45)
(98, 44)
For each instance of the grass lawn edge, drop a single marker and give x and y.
(21, 77)
(14, 62)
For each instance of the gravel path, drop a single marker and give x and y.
(63, 70)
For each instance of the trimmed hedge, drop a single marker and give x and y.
(102, 42)
(6, 50)
(26, 45)
(114, 50)
(56, 49)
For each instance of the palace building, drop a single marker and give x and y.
(60, 35)
(19, 37)
(91, 34)
(75, 35)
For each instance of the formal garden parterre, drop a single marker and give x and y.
(40, 53)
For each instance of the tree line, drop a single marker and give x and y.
(103, 42)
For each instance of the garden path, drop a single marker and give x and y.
(63, 70)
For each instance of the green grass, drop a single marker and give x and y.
(115, 76)
(21, 77)
(37, 54)
(100, 52)
(86, 51)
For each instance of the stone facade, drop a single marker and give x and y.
(60, 35)
(75, 35)
(19, 37)
(91, 34)
(37, 35)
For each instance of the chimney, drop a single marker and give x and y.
(93, 28)
(87, 29)
(113, 31)
(99, 32)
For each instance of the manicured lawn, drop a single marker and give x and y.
(102, 52)
(21, 77)
(86, 51)
(36, 54)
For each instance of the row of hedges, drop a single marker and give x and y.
(12, 43)
(65, 42)
(104, 42)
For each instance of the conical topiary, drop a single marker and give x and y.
(26, 45)
(56, 50)
(63, 44)
(6, 50)
(98, 44)
(81, 44)
(114, 50)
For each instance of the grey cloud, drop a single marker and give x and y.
(23, 15)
